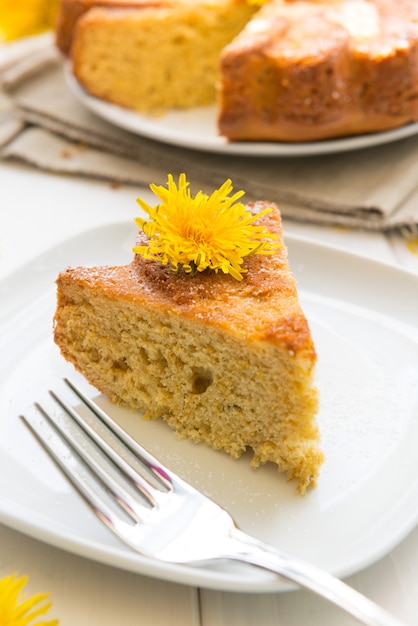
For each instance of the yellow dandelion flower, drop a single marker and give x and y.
(21, 18)
(196, 233)
(14, 612)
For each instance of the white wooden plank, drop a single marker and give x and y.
(87, 593)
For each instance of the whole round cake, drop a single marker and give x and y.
(290, 70)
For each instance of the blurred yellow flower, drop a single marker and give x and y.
(21, 18)
(21, 612)
(195, 233)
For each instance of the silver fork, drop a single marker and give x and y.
(160, 515)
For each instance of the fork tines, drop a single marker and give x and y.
(99, 457)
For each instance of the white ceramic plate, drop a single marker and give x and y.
(364, 322)
(196, 129)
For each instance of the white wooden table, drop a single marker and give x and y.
(38, 209)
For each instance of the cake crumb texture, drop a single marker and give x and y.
(156, 58)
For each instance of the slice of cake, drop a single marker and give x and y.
(156, 58)
(224, 355)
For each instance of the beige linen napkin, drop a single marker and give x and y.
(45, 125)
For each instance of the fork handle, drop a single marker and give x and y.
(255, 552)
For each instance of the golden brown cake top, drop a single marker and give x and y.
(264, 306)
(307, 70)
(308, 28)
